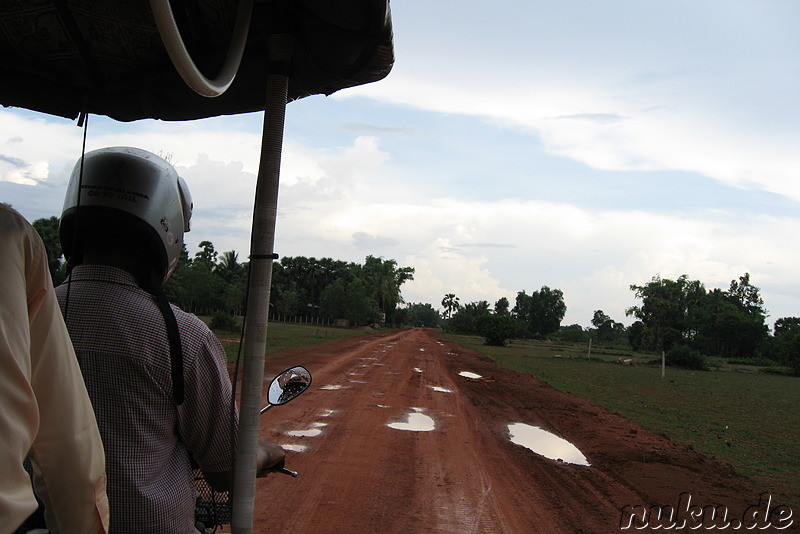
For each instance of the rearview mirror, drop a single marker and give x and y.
(287, 386)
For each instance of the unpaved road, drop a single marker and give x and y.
(366, 467)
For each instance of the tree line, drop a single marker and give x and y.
(680, 317)
(307, 289)
(537, 315)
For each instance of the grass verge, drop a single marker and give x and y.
(285, 336)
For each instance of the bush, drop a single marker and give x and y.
(498, 329)
(225, 321)
(572, 335)
(686, 358)
(760, 361)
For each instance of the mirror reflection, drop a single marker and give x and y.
(288, 385)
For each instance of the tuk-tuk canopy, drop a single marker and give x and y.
(106, 57)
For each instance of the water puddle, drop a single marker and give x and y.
(315, 430)
(416, 422)
(546, 444)
(327, 412)
(332, 386)
(417, 370)
(440, 389)
(467, 374)
(294, 447)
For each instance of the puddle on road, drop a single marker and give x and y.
(332, 386)
(416, 422)
(440, 389)
(467, 374)
(315, 430)
(417, 370)
(545, 443)
(327, 412)
(294, 447)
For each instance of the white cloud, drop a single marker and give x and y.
(23, 173)
(439, 269)
(718, 101)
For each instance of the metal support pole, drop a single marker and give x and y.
(262, 246)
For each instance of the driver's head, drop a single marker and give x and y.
(127, 202)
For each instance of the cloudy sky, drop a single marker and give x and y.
(581, 145)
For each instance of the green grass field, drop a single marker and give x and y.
(748, 419)
(285, 336)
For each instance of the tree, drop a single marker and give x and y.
(465, 319)
(206, 254)
(202, 290)
(234, 274)
(717, 323)
(229, 268)
(541, 312)
(352, 301)
(291, 302)
(726, 328)
(384, 279)
(48, 231)
(665, 307)
(421, 315)
(599, 318)
(501, 306)
(607, 329)
(786, 324)
(450, 304)
(173, 289)
(746, 296)
(787, 342)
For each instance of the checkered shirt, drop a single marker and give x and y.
(120, 338)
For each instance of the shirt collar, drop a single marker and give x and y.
(103, 273)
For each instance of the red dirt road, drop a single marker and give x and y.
(359, 475)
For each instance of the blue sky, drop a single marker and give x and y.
(585, 146)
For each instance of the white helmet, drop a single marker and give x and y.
(135, 186)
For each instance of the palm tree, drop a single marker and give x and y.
(451, 304)
(229, 267)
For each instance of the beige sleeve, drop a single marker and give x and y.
(67, 453)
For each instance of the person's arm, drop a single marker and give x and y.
(207, 423)
(67, 454)
(269, 456)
